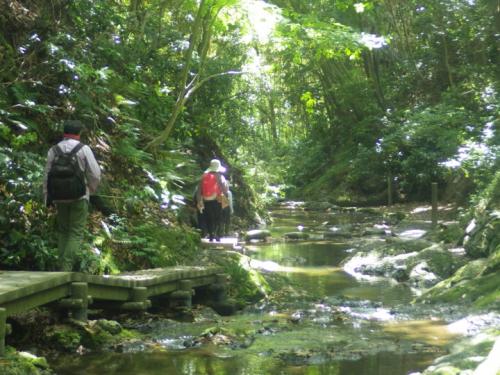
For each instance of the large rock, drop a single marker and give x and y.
(482, 235)
(396, 245)
(257, 234)
(319, 206)
(296, 236)
(439, 261)
(421, 276)
(423, 268)
(334, 233)
(375, 231)
(465, 354)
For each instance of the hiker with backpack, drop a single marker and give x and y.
(211, 198)
(71, 175)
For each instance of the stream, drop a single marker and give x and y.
(321, 319)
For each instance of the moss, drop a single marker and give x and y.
(493, 264)
(481, 291)
(444, 370)
(16, 363)
(464, 354)
(451, 233)
(97, 339)
(483, 237)
(246, 284)
(63, 338)
(95, 334)
(440, 261)
(101, 333)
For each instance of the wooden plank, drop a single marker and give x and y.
(171, 286)
(36, 299)
(23, 290)
(18, 284)
(158, 275)
(112, 280)
(109, 292)
(163, 288)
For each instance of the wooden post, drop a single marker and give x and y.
(182, 298)
(79, 291)
(434, 216)
(3, 330)
(219, 288)
(389, 190)
(138, 300)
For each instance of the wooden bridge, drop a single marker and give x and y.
(23, 290)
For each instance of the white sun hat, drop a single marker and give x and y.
(215, 166)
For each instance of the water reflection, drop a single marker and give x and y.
(315, 267)
(196, 363)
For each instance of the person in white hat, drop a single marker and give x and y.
(211, 197)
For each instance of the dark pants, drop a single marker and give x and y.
(71, 223)
(225, 221)
(213, 213)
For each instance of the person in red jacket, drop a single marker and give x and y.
(211, 196)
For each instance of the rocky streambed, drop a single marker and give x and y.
(337, 291)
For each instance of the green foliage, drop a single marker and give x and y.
(246, 284)
(25, 225)
(63, 338)
(140, 245)
(115, 67)
(347, 93)
(387, 97)
(15, 363)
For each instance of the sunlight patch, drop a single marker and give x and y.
(421, 209)
(412, 234)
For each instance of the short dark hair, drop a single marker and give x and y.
(73, 127)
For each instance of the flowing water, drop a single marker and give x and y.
(321, 321)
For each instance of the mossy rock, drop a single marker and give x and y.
(463, 356)
(469, 271)
(493, 263)
(374, 232)
(440, 261)
(23, 363)
(483, 232)
(39, 362)
(63, 338)
(393, 218)
(368, 210)
(422, 276)
(296, 236)
(319, 206)
(337, 234)
(110, 326)
(257, 234)
(481, 292)
(246, 284)
(397, 245)
(443, 370)
(451, 233)
(98, 334)
(483, 240)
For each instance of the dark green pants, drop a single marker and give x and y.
(71, 222)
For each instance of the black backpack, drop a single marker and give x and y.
(65, 180)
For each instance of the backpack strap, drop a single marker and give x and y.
(58, 150)
(77, 148)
